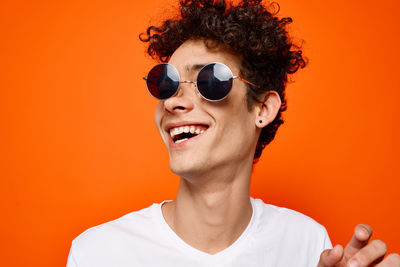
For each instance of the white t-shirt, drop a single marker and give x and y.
(274, 237)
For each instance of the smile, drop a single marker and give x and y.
(183, 133)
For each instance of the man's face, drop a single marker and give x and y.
(225, 132)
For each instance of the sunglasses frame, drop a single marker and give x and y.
(195, 82)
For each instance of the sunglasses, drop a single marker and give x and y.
(214, 81)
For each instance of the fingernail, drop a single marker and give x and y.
(353, 263)
(365, 232)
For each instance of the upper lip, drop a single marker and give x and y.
(170, 125)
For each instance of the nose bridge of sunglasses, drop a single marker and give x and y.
(188, 82)
(180, 89)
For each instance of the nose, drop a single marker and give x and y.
(183, 100)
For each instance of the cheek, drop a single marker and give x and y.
(158, 114)
(242, 124)
(237, 127)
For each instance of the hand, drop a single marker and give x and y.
(359, 253)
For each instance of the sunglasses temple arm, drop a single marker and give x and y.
(246, 81)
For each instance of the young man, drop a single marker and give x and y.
(221, 95)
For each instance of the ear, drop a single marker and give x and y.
(268, 109)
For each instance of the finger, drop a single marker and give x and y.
(369, 254)
(392, 260)
(362, 234)
(330, 257)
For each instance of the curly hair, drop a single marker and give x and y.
(257, 35)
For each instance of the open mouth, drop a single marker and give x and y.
(182, 133)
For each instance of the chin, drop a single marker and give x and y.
(186, 168)
(182, 171)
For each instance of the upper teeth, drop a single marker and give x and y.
(185, 129)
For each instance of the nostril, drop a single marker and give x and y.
(179, 108)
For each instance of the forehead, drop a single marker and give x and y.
(194, 54)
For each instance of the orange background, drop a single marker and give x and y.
(79, 148)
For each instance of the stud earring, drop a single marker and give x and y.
(260, 121)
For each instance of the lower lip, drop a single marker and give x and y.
(185, 143)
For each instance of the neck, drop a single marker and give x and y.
(211, 212)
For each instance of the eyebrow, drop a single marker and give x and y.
(194, 67)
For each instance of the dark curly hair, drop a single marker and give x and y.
(257, 35)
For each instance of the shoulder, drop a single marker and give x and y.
(286, 220)
(114, 241)
(282, 232)
(114, 231)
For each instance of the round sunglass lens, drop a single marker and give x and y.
(214, 81)
(163, 81)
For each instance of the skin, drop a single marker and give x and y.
(212, 207)
(359, 252)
